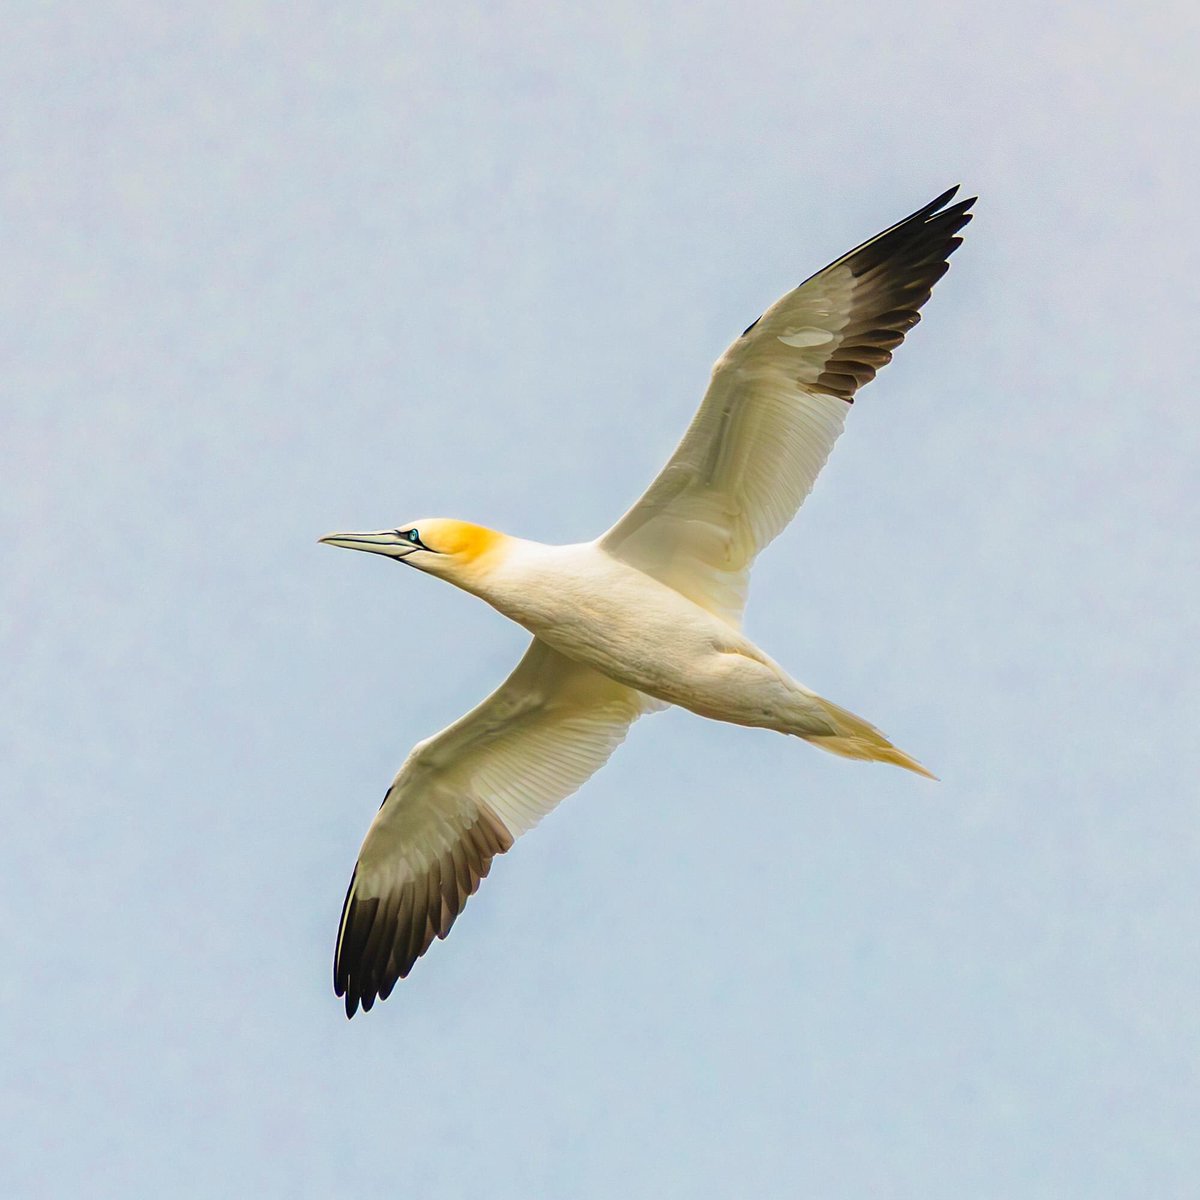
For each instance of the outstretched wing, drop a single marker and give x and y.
(460, 799)
(776, 404)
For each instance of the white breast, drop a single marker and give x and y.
(600, 611)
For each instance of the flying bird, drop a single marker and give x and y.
(646, 616)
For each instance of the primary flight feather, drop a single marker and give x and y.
(647, 615)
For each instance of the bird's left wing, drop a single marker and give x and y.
(460, 799)
(776, 404)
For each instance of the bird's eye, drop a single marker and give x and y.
(414, 537)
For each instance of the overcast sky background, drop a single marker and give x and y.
(275, 269)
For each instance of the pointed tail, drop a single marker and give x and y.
(855, 738)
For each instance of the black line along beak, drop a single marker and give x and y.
(386, 541)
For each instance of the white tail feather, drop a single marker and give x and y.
(855, 738)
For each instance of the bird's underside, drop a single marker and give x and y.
(777, 401)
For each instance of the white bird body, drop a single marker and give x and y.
(647, 615)
(597, 610)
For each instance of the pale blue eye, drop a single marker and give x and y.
(414, 537)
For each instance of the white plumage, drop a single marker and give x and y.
(647, 615)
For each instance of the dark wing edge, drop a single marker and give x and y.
(892, 276)
(461, 798)
(381, 937)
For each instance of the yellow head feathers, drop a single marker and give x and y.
(460, 539)
(455, 550)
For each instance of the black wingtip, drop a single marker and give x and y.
(381, 936)
(944, 198)
(941, 209)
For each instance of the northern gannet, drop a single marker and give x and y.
(646, 616)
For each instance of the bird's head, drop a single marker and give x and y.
(455, 550)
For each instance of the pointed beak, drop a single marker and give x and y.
(385, 541)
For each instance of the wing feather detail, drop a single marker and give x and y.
(460, 799)
(774, 408)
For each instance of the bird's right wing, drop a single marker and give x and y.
(776, 404)
(460, 799)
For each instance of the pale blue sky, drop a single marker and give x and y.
(271, 270)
